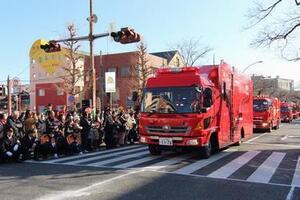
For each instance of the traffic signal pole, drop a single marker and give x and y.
(91, 39)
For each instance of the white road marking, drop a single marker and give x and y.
(201, 163)
(255, 138)
(96, 164)
(284, 137)
(83, 191)
(275, 145)
(136, 162)
(264, 172)
(103, 156)
(90, 154)
(166, 163)
(290, 194)
(296, 177)
(234, 165)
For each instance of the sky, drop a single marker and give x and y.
(218, 24)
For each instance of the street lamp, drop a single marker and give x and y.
(257, 62)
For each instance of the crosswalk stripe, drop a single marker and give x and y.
(296, 177)
(91, 154)
(166, 163)
(264, 172)
(101, 163)
(201, 163)
(136, 162)
(234, 165)
(104, 156)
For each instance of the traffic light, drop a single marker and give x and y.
(125, 36)
(2, 91)
(50, 47)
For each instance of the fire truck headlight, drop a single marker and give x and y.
(264, 124)
(142, 139)
(192, 142)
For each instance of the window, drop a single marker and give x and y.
(46, 57)
(40, 59)
(41, 92)
(112, 69)
(125, 71)
(60, 91)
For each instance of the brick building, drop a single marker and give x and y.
(122, 64)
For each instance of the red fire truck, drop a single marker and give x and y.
(206, 107)
(286, 112)
(266, 113)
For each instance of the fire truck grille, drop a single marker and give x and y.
(167, 129)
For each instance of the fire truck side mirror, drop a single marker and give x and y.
(207, 96)
(224, 95)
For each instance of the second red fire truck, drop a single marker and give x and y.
(266, 113)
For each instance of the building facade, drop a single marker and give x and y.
(47, 77)
(126, 80)
(269, 84)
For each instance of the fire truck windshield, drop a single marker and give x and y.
(260, 105)
(285, 109)
(171, 100)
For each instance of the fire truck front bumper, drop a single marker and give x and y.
(174, 141)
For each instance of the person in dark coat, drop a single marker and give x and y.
(108, 124)
(10, 147)
(86, 125)
(28, 143)
(16, 125)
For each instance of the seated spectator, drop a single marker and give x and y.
(28, 143)
(10, 147)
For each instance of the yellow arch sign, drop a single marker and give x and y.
(50, 62)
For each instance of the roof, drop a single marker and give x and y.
(165, 54)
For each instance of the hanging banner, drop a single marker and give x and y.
(110, 82)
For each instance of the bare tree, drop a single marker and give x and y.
(73, 72)
(191, 50)
(277, 26)
(142, 70)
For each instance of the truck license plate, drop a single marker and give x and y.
(166, 141)
(254, 126)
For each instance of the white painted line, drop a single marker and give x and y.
(201, 163)
(68, 194)
(296, 177)
(290, 194)
(104, 156)
(96, 164)
(284, 137)
(234, 165)
(275, 145)
(293, 136)
(166, 163)
(89, 154)
(136, 162)
(264, 172)
(255, 138)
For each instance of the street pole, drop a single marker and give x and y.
(8, 96)
(91, 39)
(257, 62)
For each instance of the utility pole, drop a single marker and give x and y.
(91, 39)
(8, 96)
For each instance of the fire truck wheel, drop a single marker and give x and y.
(154, 150)
(206, 150)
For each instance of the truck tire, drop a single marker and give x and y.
(206, 151)
(154, 150)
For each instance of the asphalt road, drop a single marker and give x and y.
(265, 167)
